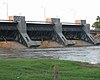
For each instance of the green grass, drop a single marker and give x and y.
(43, 69)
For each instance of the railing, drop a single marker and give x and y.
(3, 20)
(40, 22)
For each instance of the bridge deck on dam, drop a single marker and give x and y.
(9, 29)
(39, 27)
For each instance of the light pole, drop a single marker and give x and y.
(6, 8)
(74, 13)
(44, 11)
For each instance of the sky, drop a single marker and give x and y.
(38, 10)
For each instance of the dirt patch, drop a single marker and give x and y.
(82, 43)
(11, 45)
(50, 43)
(97, 36)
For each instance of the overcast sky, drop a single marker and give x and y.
(67, 10)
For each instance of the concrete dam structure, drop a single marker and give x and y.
(33, 33)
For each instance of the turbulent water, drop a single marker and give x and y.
(90, 54)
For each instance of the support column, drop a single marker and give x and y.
(86, 29)
(58, 36)
(22, 28)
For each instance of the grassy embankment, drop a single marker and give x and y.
(43, 69)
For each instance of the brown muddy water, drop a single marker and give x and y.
(90, 54)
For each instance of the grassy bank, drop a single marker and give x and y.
(43, 69)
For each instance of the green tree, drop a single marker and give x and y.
(97, 23)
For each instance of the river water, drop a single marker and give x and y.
(90, 54)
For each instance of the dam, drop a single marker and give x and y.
(34, 33)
